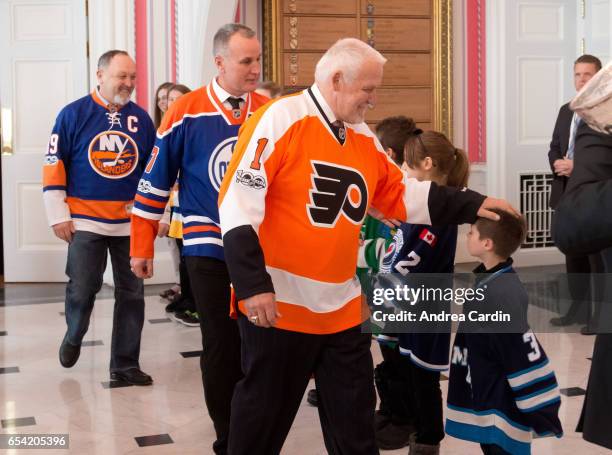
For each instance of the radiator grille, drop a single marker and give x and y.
(535, 193)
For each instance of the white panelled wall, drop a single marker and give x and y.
(111, 25)
(197, 22)
(531, 47)
(42, 69)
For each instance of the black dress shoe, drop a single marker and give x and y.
(393, 436)
(69, 353)
(134, 376)
(561, 321)
(586, 330)
(313, 398)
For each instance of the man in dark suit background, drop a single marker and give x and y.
(561, 158)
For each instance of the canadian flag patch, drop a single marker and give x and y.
(428, 237)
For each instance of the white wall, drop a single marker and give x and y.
(531, 46)
(595, 29)
(111, 26)
(198, 20)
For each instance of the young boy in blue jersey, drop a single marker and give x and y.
(502, 388)
(408, 380)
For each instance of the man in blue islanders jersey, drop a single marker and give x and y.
(502, 388)
(196, 139)
(97, 152)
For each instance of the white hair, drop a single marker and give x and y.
(346, 56)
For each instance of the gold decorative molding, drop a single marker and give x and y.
(271, 40)
(443, 67)
(442, 58)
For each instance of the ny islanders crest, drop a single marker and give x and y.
(113, 154)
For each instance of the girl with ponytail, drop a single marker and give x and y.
(408, 381)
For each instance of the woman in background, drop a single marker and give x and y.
(161, 102)
(182, 305)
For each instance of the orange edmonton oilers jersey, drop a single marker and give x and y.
(293, 201)
(93, 163)
(196, 137)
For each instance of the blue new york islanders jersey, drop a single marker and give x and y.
(197, 136)
(417, 248)
(502, 388)
(93, 163)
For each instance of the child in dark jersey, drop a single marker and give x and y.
(393, 133)
(408, 381)
(502, 388)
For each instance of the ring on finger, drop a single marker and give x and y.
(254, 319)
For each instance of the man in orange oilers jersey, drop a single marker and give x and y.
(196, 138)
(304, 173)
(97, 151)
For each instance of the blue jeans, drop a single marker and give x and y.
(85, 267)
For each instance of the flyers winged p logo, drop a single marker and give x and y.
(336, 190)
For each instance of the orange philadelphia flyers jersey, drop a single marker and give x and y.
(292, 203)
(93, 163)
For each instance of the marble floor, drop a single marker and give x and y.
(38, 396)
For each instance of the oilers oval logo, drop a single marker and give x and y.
(219, 161)
(113, 154)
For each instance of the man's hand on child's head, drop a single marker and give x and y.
(491, 203)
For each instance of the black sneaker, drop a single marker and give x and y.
(393, 436)
(169, 293)
(178, 304)
(188, 318)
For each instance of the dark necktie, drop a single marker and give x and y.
(234, 102)
(339, 130)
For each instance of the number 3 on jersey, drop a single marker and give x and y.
(535, 354)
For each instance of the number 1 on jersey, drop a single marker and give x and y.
(261, 145)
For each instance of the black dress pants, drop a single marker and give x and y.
(584, 287)
(278, 364)
(220, 360)
(597, 408)
(412, 395)
(492, 449)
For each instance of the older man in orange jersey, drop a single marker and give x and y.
(304, 173)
